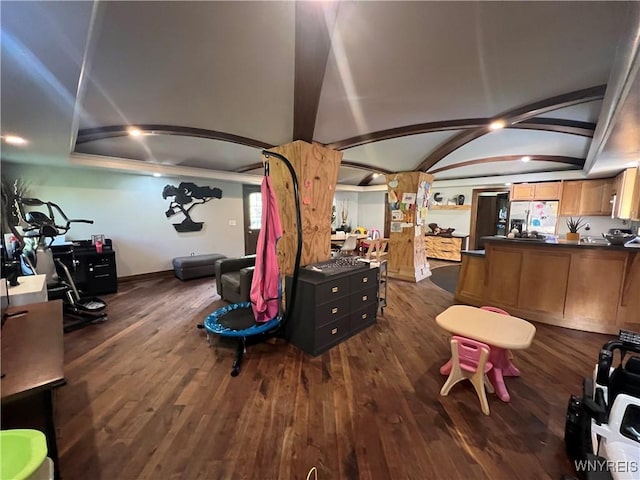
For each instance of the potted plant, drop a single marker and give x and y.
(574, 225)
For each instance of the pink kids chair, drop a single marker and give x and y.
(470, 361)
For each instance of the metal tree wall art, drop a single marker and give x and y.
(184, 194)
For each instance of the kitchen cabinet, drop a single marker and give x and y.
(536, 191)
(628, 195)
(443, 248)
(587, 197)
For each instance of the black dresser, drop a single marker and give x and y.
(94, 273)
(331, 308)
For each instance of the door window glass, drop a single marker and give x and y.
(255, 210)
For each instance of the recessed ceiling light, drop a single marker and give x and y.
(156, 174)
(134, 132)
(526, 158)
(14, 140)
(497, 125)
(376, 175)
(507, 184)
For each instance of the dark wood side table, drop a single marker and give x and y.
(32, 366)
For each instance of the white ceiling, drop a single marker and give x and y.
(220, 81)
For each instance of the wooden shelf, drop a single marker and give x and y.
(450, 207)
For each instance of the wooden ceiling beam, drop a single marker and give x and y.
(314, 23)
(510, 117)
(100, 133)
(578, 162)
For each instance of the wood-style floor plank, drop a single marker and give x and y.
(147, 398)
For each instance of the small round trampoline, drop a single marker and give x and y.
(237, 320)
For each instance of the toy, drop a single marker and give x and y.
(602, 428)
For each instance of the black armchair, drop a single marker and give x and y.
(233, 278)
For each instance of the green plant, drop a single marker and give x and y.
(575, 224)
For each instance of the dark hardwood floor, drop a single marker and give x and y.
(147, 397)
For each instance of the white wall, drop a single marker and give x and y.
(129, 209)
(347, 201)
(371, 207)
(598, 224)
(458, 219)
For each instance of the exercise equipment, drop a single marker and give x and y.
(238, 320)
(602, 428)
(37, 258)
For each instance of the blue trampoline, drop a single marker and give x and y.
(237, 320)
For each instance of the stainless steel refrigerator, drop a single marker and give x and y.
(541, 216)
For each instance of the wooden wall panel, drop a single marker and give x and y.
(317, 171)
(407, 259)
(543, 280)
(629, 308)
(595, 282)
(503, 279)
(470, 287)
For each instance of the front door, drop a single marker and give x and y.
(252, 201)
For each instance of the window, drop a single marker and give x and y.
(255, 210)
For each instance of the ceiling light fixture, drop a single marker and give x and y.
(134, 132)
(14, 140)
(497, 125)
(526, 158)
(507, 184)
(375, 175)
(156, 174)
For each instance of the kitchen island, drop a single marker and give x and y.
(588, 287)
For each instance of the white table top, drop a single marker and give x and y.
(492, 328)
(31, 289)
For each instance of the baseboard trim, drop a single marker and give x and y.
(146, 276)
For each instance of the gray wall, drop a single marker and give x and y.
(130, 210)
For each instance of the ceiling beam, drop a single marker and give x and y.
(557, 125)
(406, 131)
(314, 22)
(92, 134)
(579, 162)
(516, 115)
(344, 163)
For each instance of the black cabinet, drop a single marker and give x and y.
(93, 273)
(331, 308)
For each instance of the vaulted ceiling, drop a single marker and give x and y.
(396, 86)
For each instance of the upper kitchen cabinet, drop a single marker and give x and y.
(535, 191)
(627, 204)
(587, 197)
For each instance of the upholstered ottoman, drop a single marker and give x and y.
(195, 266)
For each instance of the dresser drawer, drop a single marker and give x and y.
(328, 291)
(364, 279)
(364, 297)
(363, 317)
(331, 333)
(328, 312)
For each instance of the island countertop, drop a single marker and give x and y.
(585, 286)
(560, 243)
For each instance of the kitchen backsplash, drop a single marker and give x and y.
(598, 225)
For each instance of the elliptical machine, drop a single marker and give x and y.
(37, 258)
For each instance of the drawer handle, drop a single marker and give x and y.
(365, 279)
(102, 276)
(365, 298)
(334, 289)
(364, 315)
(334, 331)
(334, 310)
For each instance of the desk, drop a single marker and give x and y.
(31, 289)
(32, 362)
(501, 332)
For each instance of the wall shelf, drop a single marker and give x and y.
(450, 207)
